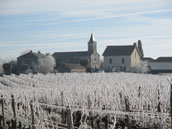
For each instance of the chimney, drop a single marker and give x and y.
(134, 44)
(140, 48)
(39, 52)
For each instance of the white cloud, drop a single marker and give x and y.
(70, 11)
(74, 7)
(107, 17)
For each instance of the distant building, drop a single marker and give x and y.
(161, 65)
(65, 67)
(148, 59)
(122, 58)
(91, 55)
(29, 60)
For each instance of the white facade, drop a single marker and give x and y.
(122, 63)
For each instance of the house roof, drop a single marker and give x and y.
(149, 59)
(119, 50)
(31, 54)
(74, 66)
(160, 66)
(69, 54)
(164, 59)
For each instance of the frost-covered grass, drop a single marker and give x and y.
(143, 92)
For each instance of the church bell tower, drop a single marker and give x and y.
(92, 45)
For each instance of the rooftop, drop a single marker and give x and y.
(164, 59)
(31, 54)
(119, 50)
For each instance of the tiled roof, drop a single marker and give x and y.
(119, 50)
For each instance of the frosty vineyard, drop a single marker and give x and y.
(136, 99)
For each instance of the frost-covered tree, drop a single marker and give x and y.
(1, 64)
(142, 67)
(46, 64)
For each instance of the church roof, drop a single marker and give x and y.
(68, 54)
(92, 39)
(119, 50)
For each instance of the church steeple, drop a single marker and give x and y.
(92, 44)
(92, 39)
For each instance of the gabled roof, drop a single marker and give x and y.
(69, 54)
(32, 54)
(119, 50)
(164, 59)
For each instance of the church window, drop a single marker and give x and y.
(110, 61)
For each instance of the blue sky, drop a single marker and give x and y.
(53, 25)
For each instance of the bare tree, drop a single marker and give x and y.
(46, 64)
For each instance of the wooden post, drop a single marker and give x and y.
(62, 112)
(3, 114)
(14, 112)
(171, 103)
(127, 108)
(69, 119)
(62, 98)
(170, 81)
(32, 115)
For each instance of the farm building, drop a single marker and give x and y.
(122, 58)
(65, 67)
(161, 65)
(29, 59)
(91, 55)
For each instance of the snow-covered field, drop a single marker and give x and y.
(119, 93)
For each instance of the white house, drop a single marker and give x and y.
(122, 58)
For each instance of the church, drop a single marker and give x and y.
(91, 56)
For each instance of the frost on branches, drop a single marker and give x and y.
(142, 67)
(46, 65)
(144, 98)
